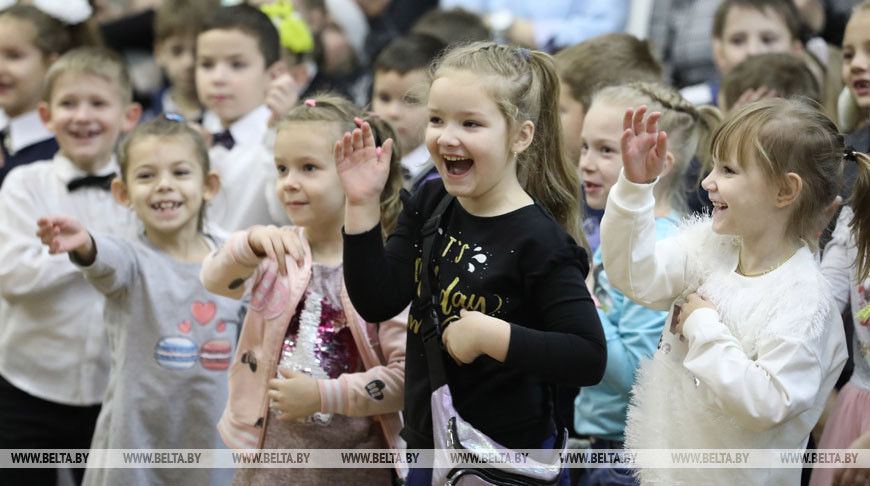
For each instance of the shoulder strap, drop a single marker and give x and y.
(430, 327)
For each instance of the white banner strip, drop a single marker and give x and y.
(427, 458)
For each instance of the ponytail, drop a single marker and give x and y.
(391, 204)
(544, 169)
(860, 224)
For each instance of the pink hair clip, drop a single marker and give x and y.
(358, 121)
(310, 102)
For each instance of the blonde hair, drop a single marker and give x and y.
(525, 87)
(689, 130)
(332, 108)
(787, 136)
(94, 61)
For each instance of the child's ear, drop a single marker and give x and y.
(131, 117)
(277, 69)
(523, 137)
(669, 164)
(119, 191)
(790, 190)
(45, 115)
(211, 186)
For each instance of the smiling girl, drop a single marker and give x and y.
(170, 339)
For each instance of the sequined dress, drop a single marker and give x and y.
(319, 342)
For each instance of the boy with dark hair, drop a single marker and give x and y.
(238, 62)
(454, 26)
(766, 76)
(399, 69)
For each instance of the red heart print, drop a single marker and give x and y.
(221, 327)
(184, 327)
(203, 312)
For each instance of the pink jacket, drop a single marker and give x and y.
(234, 271)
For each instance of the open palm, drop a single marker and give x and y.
(644, 147)
(362, 167)
(62, 233)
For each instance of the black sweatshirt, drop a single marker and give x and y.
(520, 267)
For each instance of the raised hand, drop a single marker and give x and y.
(63, 234)
(281, 95)
(277, 244)
(644, 147)
(362, 167)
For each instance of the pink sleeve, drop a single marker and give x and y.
(225, 270)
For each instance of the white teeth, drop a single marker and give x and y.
(166, 205)
(451, 158)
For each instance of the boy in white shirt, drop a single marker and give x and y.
(237, 64)
(54, 358)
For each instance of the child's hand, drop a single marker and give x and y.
(296, 396)
(362, 167)
(475, 333)
(854, 476)
(63, 234)
(281, 95)
(693, 303)
(644, 147)
(276, 244)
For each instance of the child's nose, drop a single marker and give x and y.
(448, 137)
(709, 184)
(860, 61)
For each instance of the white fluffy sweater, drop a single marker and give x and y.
(753, 374)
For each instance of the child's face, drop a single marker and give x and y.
(572, 112)
(601, 152)
(165, 184)
(87, 114)
(175, 55)
(743, 200)
(231, 74)
(405, 113)
(856, 58)
(468, 138)
(748, 32)
(22, 67)
(308, 186)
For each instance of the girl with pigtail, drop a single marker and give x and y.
(755, 341)
(633, 330)
(309, 372)
(506, 274)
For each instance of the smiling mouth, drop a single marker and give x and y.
(862, 85)
(719, 206)
(166, 206)
(457, 165)
(84, 134)
(591, 186)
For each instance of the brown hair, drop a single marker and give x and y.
(408, 53)
(606, 60)
(524, 86)
(689, 130)
(785, 73)
(328, 107)
(94, 61)
(790, 136)
(165, 127)
(785, 9)
(181, 17)
(252, 22)
(452, 27)
(52, 36)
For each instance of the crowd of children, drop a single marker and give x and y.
(304, 233)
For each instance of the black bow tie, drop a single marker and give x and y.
(102, 182)
(224, 138)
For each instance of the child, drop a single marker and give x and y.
(341, 377)
(755, 343)
(745, 28)
(510, 278)
(171, 340)
(175, 29)
(632, 331)
(764, 76)
(849, 418)
(452, 27)
(54, 361)
(400, 71)
(30, 41)
(856, 77)
(237, 58)
(584, 68)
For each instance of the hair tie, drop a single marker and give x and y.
(310, 102)
(524, 52)
(173, 117)
(850, 154)
(359, 122)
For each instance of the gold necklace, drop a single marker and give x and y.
(740, 264)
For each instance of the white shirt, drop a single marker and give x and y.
(755, 373)
(247, 196)
(25, 130)
(416, 161)
(52, 336)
